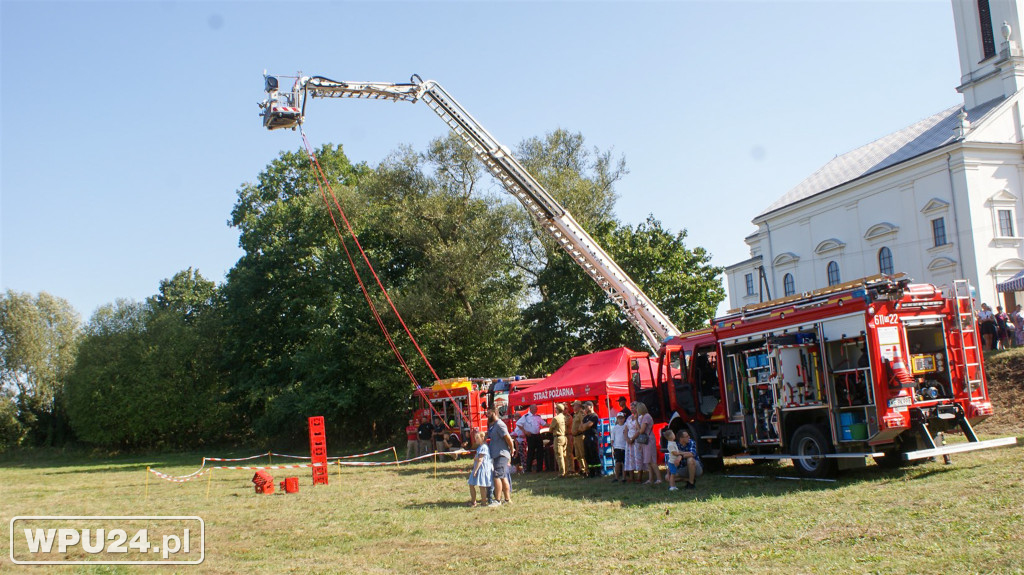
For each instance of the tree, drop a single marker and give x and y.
(109, 402)
(306, 341)
(149, 374)
(570, 314)
(447, 256)
(292, 311)
(38, 341)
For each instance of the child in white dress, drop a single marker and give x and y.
(483, 469)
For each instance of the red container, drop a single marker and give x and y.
(263, 481)
(290, 485)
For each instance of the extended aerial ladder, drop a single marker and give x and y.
(287, 110)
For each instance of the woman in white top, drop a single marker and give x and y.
(987, 326)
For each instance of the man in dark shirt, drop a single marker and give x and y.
(624, 408)
(439, 444)
(425, 431)
(591, 428)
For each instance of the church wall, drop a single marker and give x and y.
(994, 184)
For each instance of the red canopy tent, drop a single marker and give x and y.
(601, 374)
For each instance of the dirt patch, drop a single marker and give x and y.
(1005, 373)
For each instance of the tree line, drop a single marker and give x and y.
(289, 333)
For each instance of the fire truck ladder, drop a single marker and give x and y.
(970, 354)
(859, 288)
(554, 219)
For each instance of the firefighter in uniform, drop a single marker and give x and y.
(557, 427)
(577, 437)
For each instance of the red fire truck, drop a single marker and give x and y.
(873, 368)
(462, 402)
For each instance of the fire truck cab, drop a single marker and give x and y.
(874, 368)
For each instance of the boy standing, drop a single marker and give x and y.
(619, 446)
(673, 458)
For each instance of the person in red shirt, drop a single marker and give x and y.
(412, 444)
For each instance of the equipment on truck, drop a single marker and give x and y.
(821, 378)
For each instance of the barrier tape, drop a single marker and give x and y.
(238, 458)
(181, 478)
(383, 463)
(203, 469)
(296, 466)
(357, 455)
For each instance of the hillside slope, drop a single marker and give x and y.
(1005, 372)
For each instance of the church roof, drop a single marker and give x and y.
(922, 137)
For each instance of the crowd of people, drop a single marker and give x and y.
(425, 436)
(1000, 330)
(574, 445)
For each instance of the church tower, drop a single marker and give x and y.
(988, 34)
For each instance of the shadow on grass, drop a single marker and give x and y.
(760, 481)
(443, 505)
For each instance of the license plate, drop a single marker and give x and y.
(900, 401)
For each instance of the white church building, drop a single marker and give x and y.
(938, 200)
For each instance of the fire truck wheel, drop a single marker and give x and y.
(710, 461)
(808, 442)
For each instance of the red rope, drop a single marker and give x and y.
(366, 259)
(352, 264)
(323, 182)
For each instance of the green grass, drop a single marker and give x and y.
(930, 518)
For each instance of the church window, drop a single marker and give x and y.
(885, 261)
(749, 279)
(988, 40)
(939, 231)
(833, 273)
(788, 285)
(1005, 223)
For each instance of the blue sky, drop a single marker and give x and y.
(127, 127)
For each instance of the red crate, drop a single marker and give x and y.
(262, 478)
(290, 485)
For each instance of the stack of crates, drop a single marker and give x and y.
(318, 449)
(605, 448)
(264, 482)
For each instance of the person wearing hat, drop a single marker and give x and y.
(557, 427)
(578, 449)
(624, 408)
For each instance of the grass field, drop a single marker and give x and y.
(931, 518)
